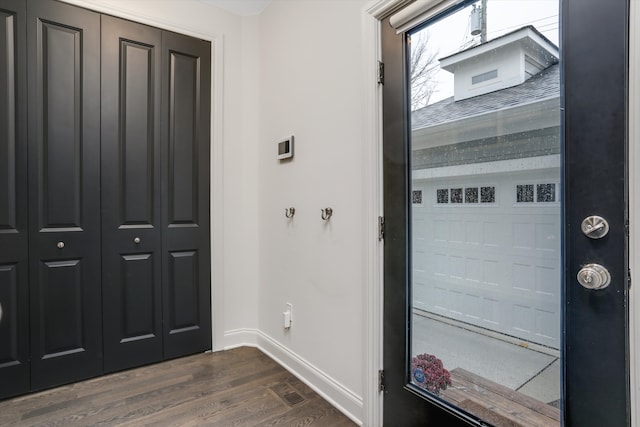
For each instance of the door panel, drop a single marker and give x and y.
(183, 291)
(14, 351)
(185, 211)
(506, 271)
(183, 145)
(138, 290)
(63, 46)
(60, 150)
(9, 33)
(61, 286)
(14, 291)
(131, 193)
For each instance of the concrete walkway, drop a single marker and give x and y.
(530, 372)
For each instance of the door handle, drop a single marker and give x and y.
(594, 276)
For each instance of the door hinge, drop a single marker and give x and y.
(381, 384)
(629, 279)
(380, 72)
(380, 228)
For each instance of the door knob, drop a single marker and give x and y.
(136, 240)
(594, 276)
(60, 245)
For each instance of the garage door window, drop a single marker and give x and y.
(466, 195)
(536, 193)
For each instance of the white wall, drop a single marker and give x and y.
(311, 55)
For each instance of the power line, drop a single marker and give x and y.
(530, 22)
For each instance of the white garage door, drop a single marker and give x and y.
(486, 251)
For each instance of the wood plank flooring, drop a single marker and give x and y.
(500, 405)
(239, 387)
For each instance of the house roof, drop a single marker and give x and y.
(498, 40)
(544, 85)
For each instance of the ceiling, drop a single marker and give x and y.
(240, 7)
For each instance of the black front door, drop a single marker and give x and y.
(506, 273)
(63, 48)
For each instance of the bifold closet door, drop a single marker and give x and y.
(63, 53)
(131, 238)
(14, 286)
(186, 251)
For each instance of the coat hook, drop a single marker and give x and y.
(326, 213)
(289, 212)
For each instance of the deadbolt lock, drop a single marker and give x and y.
(595, 227)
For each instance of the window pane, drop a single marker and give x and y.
(524, 193)
(546, 193)
(443, 195)
(456, 195)
(471, 195)
(487, 195)
(485, 261)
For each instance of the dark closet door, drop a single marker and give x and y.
(185, 183)
(14, 291)
(131, 238)
(63, 49)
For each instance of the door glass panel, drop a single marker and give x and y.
(485, 211)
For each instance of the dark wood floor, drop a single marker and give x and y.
(497, 404)
(240, 387)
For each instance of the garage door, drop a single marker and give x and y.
(486, 248)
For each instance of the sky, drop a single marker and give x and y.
(451, 34)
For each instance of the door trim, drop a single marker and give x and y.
(372, 204)
(217, 152)
(634, 207)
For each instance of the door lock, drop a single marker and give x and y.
(595, 227)
(594, 276)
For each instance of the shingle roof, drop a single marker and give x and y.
(545, 84)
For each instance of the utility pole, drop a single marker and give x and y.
(483, 21)
(478, 21)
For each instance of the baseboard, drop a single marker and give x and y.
(343, 399)
(240, 338)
